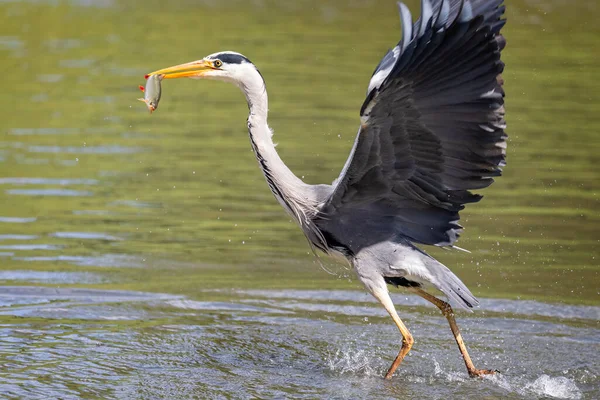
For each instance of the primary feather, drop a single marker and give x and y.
(432, 124)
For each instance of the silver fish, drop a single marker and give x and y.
(152, 92)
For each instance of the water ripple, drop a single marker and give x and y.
(50, 277)
(11, 42)
(81, 63)
(517, 307)
(18, 237)
(50, 78)
(42, 131)
(49, 192)
(30, 247)
(103, 260)
(85, 236)
(114, 149)
(220, 306)
(47, 181)
(17, 220)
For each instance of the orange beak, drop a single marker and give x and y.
(187, 70)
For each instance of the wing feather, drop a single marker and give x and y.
(432, 127)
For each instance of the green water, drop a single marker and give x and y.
(174, 201)
(182, 185)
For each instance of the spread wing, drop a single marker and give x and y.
(432, 125)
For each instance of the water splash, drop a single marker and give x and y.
(449, 376)
(351, 361)
(354, 354)
(558, 387)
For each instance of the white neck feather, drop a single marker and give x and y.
(289, 190)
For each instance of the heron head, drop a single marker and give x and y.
(226, 65)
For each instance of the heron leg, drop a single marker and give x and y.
(449, 314)
(407, 340)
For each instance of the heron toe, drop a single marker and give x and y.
(482, 372)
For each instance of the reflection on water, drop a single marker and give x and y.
(128, 231)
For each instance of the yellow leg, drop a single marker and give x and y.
(407, 340)
(449, 314)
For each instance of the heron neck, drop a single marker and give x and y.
(285, 185)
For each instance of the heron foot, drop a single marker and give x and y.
(481, 372)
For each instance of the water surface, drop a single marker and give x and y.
(144, 256)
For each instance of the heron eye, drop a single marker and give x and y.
(218, 63)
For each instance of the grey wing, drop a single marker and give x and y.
(432, 126)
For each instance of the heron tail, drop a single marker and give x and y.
(449, 284)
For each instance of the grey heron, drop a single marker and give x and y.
(431, 129)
